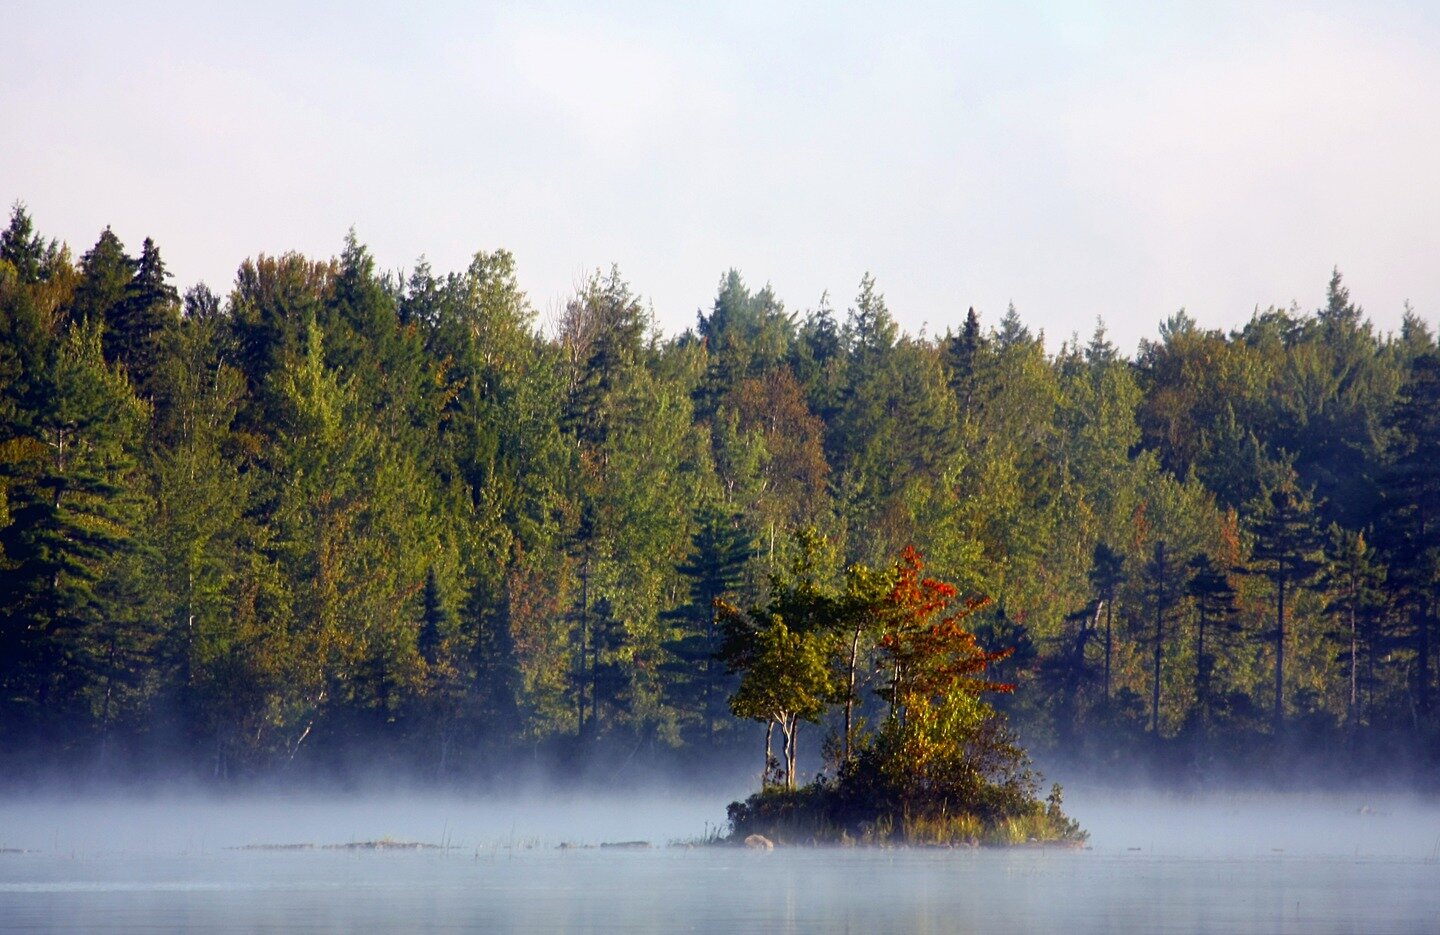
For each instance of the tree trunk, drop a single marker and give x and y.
(850, 696)
(1073, 670)
(1422, 662)
(1202, 672)
(791, 742)
(1279, 715)
(708, 687)
(1354, 649)
(787, 748)
(769, 754)
(584, 646)
(1109, 614)
(1155, 686)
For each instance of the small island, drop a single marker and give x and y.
(942, 769)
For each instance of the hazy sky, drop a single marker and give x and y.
(1078, 159)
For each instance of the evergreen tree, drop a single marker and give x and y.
(74, 508)
(746, 335)
(1214, 599)
(961, 351)
(1286, 543)
(1411, 528)
(136, 325)
(1107, 574)
(106, 273)
(715, 570)
(26, 251)
(1163, 589)
(1352, 577)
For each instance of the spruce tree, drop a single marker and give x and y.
(136, 325)
(714, 570)
(28, 253)
(961, 351)
(74, 504)
(106, 273)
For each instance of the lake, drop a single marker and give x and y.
(1254, 863)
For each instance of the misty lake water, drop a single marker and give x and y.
(1241, 863)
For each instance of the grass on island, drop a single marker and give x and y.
(821, 814)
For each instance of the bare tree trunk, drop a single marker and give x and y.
(1422, 654)
(850, 696)
(1279, 715)
(1155, 687)
(584, 645)
(789, 724)
(785, 747)
(708, 688)
(1354, 686)
(790, 748)
(769, 756)
(1202, 672)
(1109, 617)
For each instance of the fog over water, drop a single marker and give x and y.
(1251, 862)
(1229, 825)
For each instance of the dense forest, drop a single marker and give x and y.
(342, 516)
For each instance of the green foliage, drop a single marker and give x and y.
(340, 509)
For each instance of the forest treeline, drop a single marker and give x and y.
(341, 510)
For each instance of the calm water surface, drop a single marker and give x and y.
(1248, 864)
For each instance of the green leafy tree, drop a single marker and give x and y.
(785, 678)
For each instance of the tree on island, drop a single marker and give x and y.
(783, 653)
(942, 768)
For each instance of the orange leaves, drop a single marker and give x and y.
(931, 651)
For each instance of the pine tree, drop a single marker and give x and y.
(1163, 588)
(715, 570)
(1107, 574)
(1411, 522)
(30, 256)
(1352, 577)
(74, 508)
(961, 351)
(106, 273)
(136, 325)
(1214, 599)
(1286, 543)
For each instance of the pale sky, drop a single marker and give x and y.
(1077, 159)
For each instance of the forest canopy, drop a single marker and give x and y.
(337, 509)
